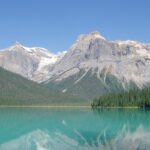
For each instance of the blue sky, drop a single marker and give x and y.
(55, 24)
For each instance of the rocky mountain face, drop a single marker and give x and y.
(92, 66)
(32, 63)
(126, 60)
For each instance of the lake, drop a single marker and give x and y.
(74, 129)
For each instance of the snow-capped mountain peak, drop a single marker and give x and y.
(96, 35)
(18, 46)
(30, 62)
(127, 61)
(84, 41)
(90, 36)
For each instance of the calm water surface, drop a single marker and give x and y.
(74, 129)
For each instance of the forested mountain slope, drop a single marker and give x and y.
(17, 90)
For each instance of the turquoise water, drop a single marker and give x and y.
(74, 129)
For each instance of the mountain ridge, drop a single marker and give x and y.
(101, 50)
(90, 60)
(31, 63)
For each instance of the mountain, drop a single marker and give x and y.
(32, 63)
(17, 90)
(94, 66)
(91, 67)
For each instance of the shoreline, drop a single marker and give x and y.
(64, 106)
(50, 106)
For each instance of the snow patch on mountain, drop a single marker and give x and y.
(64, 90)
(78, 80)
(46, 61)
